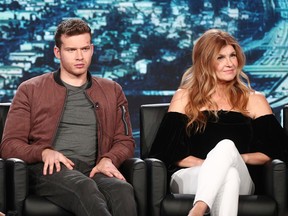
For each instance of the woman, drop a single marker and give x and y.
(215, 125)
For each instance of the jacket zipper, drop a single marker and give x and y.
(124, 119)
(98, 125)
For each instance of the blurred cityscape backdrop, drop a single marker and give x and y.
(146, 45)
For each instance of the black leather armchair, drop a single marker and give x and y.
(21, 202)
(285, 117)
(3, 167)
(2, 187)
(269, 202)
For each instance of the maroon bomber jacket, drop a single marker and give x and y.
(35, 113)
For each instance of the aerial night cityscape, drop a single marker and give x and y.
(146, 45)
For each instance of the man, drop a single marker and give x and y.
(74, 131)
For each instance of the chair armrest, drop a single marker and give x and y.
(276, 175)
(17, 184)
(134, 171)
(156, 185)
(275, 184)
(2, 187)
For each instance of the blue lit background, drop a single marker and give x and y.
(146, 45)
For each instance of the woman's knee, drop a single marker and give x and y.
(226, 144)
(226, 147)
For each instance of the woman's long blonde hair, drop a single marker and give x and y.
(200, 79)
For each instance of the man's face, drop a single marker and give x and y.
(75, 56)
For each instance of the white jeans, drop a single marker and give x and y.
(218, 182)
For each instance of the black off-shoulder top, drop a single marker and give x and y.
(263, 134)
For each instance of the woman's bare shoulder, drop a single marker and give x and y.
(258, 105)
(179, 101)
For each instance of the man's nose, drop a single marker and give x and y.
(79, 54)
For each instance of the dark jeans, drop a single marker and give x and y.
(74, 191)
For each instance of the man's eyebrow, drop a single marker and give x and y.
(87, 46)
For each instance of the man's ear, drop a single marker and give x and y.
(92, 47)
(57, 52)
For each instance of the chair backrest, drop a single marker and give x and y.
(4, 108)
(2, 186)
(285, 118)
(151, 116)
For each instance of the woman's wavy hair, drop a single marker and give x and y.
(200, 79)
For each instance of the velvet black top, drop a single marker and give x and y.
(263, 134)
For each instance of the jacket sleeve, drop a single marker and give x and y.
(123, 144)
(15, 140)
(171, 141)
(270, 138)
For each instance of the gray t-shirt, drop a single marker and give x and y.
(77, 135)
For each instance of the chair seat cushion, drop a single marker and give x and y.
(36, 206)
(256, 205)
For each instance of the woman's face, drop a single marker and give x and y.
(226, 64)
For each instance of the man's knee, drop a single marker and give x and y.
(123, 201)
(84, 187)
(126, 189)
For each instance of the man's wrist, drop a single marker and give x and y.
(106, 158)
